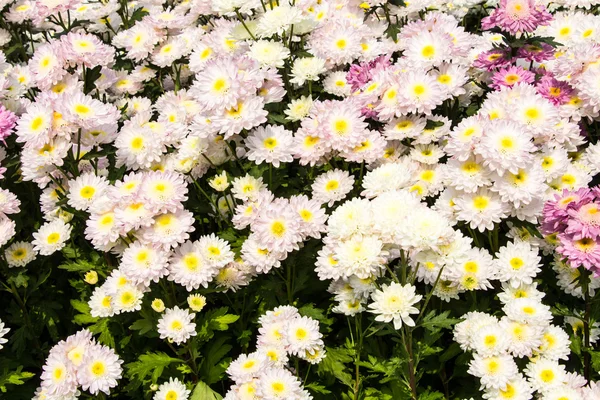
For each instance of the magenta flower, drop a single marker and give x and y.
(492, 59)
(580, 252)
(517, 16)
(8, 119)
(584, 221)
(556, 212)
(539, 54)
(360, 74)
(508, 77)
(554, 90)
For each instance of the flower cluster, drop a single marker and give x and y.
(264, 374)
(573, 218)
(525, 331)
(79, 361)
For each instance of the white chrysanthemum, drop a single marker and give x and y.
(473, 322)
(3, 332)
(474, 271)
(299, 108)
(395, 302)
(84, 189)
(177, 325)
(58, 376)
(189, 268)
(279, 383)
(247, 367)
(19, 254)
(269, 53)
(516, 388)
(360, 255)
(528, 311)
(100, 370)
(480, 209)
(51, 237)
(388, 177)
(174, 389)
(505, 147)
(170, 228)
(544, 374)
(467, 175)
(495, 372)
(127, 298)
(332, 186)
(271, 144)
(215, 250)
(101, 303)
(517, 263)
(247, 187)
(143, 263)
(303, 335)
(490, 341)
(196, 302)
(307, 69)
(523, 339)
(555, 344)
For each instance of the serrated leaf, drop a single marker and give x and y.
(78, 266)
(203, 392)
(334, 365)
(150, 364)
(434, 322)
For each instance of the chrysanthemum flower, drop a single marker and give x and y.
(173, 389)
(395, 302)
(271, 144)
(177, 325)
(51, 237)
(100, 369)
(332, 186)
(19, 254)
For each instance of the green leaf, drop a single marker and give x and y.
(204, 392)
(78, 266)
(334, 364)
(315, 387)
(142, 325)
(434, 322)
(17, 377)
(149, 365)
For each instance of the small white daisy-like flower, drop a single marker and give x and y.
(517, 263)
(86, 188)
(170, 228)
(269, 53)
(247, 367)
(100, 370)
(101, 303)
(505, 147)
(395, 302)
(299, 108)
(523, 339)
(51, 237)
(188, 267)
(247, 187)
(528, 311)
(495, 372)
(3, 332)
(271, 144)
(279, 383)
(144, 263)
(215, 250)
(555, 344)
(516, 388)
(544, 374)
(177, 325)
(174, 389)
(127, 298)
(164, 191)
(480, 209)
(19, 254)
(303, 335)
(490, 341)
(332, 186)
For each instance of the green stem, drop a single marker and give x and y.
(239, 16)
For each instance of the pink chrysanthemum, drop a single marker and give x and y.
(492, 59)
(584, 221)
(556, 212)
(517, 16)
(360, 74)
(581, 252)
(508, 77)
(7, 122)
(536, 53)
(556, 91)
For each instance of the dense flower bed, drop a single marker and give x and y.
(273, 199)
